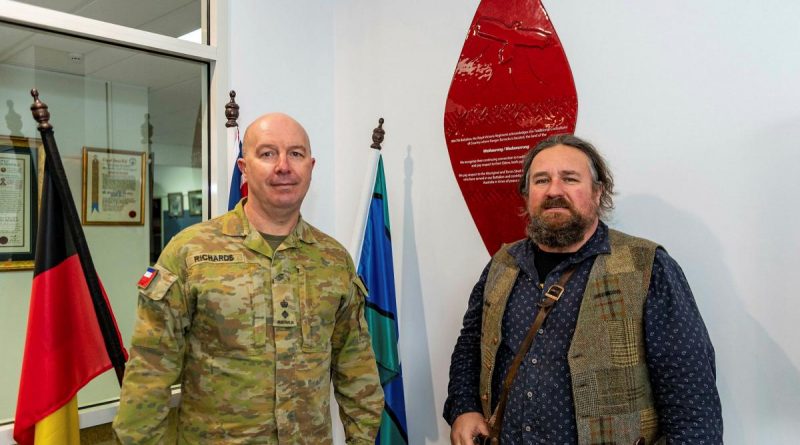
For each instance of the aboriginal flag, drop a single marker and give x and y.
(65, 346)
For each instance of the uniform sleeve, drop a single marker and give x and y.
(356, 383)
(465, 363)
(156, 361)
(680, 358)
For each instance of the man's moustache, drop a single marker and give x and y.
(556, 203)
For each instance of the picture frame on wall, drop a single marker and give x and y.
(112, 187)
(20, 182)
(196, 202)
(175, 204)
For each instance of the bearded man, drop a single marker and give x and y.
(619, 353)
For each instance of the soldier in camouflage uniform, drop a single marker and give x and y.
(253, 313)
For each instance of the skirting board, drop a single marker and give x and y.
(92, 415)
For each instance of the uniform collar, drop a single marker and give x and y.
(235, 223)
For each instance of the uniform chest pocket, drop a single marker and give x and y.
(228, 311)
(321, 291)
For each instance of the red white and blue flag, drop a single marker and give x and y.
(238, 189)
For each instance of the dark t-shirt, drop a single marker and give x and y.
(547, 261)
(273, 240)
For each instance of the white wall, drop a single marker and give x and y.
(281, 59)
(693, 103)
(396, 60)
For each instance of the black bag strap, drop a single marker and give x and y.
(546, 304)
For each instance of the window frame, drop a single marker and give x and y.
(214, 18)
(214, 53)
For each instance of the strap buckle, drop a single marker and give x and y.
(554, 292)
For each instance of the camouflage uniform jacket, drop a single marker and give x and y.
(254, 337)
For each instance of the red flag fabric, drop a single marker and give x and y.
(64, 346)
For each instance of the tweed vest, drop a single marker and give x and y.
(610, 382)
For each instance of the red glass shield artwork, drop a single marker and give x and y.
(512, 88)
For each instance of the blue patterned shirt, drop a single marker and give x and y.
(540, 410)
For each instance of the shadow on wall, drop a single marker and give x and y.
(421, 409)
(13, 120)
(758, 384)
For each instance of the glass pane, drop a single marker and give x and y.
(106, 104)
(174, 18)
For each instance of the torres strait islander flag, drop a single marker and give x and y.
(65, 346)
(376, 270)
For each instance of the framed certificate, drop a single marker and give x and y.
(19, 182)
(113, 187)
(175, 204)
(196, 202)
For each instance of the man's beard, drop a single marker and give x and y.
(558, 233)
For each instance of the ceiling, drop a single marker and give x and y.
(174, 85)
(168, 17)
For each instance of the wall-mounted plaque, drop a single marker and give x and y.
(175, 204)
(18, 201)
(196, 202)
(113, 187)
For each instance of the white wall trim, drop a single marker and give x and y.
(97, 414)
(219, 85)
(82, 27)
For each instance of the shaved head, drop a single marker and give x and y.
(268, 122)
(276, 164)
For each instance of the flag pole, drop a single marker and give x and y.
(232, 111)
(55, 169)
(375, 266)
(231, 133)
(237, 186)
(369, 183)
(232, 125)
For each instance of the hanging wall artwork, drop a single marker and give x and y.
(113, 187)
(512, 88)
